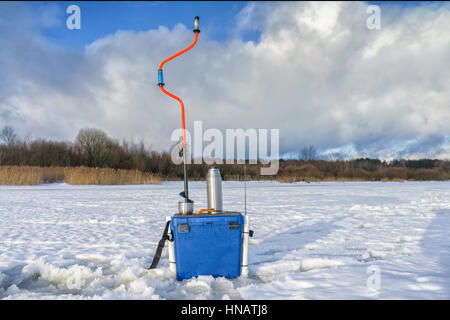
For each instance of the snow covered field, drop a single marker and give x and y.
(312, 241)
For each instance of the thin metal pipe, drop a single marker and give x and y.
(186, 192)
(245, 188)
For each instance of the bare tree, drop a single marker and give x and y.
(309, 153)
(333, 156)
(8, 135)
(92, 144)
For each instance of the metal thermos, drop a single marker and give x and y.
(214, 186)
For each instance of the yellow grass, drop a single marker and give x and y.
(26, 175)
(106, 176)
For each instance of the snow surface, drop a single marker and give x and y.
(311, 241)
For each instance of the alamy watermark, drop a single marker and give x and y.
(74, 20)
(233, 143)
(373, 21)
(373, 282)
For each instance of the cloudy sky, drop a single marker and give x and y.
(313, 70)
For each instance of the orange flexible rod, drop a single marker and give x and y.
(172, 95)
(179, 53)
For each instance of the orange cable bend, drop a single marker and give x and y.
(174, 96)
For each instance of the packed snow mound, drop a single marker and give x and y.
(73, 277)
(319, 263)
(311, 241)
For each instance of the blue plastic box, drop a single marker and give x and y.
(208, 245)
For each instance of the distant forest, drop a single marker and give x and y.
(93, 148)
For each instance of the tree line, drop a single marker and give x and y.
(94, 148)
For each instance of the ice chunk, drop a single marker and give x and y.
(319, 263)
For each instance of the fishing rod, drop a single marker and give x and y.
(183, 126)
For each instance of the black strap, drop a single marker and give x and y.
(160, 246)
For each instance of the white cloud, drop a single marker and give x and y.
(317, 73)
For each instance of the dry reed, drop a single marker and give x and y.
(27, 175)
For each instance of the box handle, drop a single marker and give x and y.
(233, 225)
